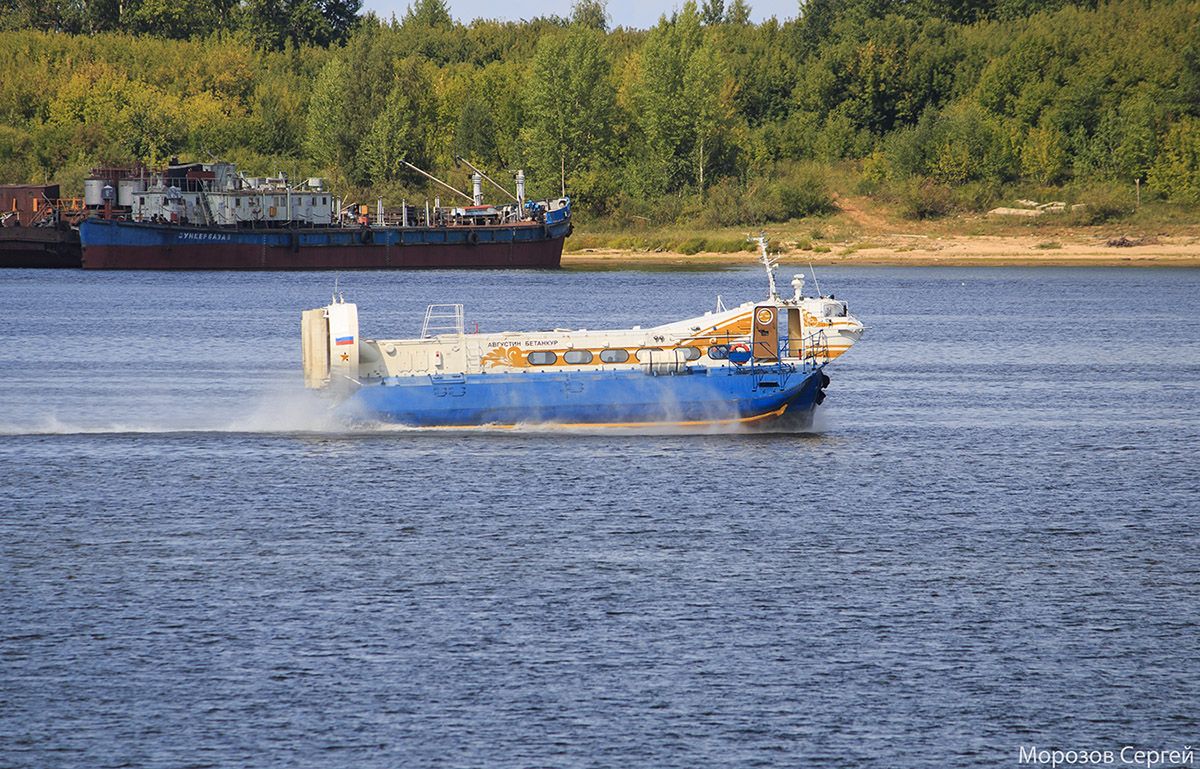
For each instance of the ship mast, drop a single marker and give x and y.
(768, 263)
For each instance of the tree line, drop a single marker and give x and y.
(704, 117)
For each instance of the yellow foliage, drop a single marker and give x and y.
(1043, 155)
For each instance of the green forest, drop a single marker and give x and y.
(706, 118)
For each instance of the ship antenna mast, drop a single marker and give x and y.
(768, 263)
(816, 282)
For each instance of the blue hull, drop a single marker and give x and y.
(122, 245)
(702, 396)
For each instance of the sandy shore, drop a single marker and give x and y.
(913, 250)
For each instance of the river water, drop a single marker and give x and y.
(988, 543)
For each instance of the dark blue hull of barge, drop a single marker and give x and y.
(123, 245)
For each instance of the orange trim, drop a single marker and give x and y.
(575, 425)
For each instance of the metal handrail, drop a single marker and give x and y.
(814, 348)
(436, 314)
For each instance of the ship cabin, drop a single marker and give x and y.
(209, 197)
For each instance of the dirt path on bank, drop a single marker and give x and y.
(870, 223)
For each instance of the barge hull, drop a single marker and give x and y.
(55, 247)
(113, 245)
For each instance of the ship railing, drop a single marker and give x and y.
(442, 319)
(68, 205)
(813, 352)
(46, 209)
(816, 349)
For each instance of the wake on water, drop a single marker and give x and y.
(283, 411)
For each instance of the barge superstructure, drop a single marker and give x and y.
(207, 216)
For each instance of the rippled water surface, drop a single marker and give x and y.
(988, 542)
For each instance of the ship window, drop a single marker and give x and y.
(324, 201)
(613, 356)
(577, 357)
(541, 358)
(688, 353)
(646, 354)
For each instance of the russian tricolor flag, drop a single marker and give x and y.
(343, 340)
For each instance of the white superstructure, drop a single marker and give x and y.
(790, 328)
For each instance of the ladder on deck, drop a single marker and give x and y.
(206, 207)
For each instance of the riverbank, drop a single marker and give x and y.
(923, 250)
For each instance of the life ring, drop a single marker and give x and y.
(739, 359)
(473, 238)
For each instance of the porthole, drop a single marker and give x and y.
(541, 358)
(613, 356)
(651, 354)
(577, 357)
(688, 353)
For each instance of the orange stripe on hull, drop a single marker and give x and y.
(575, 425)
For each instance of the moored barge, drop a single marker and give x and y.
(209, 217)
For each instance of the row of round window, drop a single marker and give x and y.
(644, 355)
